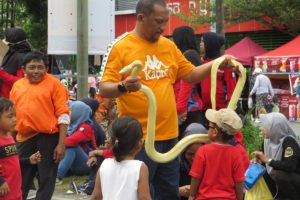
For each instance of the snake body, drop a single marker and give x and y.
(134, 67)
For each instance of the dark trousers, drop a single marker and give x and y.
(163, 177)
(46, 169)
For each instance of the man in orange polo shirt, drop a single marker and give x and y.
(163, 64)
(42, 121)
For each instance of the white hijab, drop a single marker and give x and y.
(279, 128)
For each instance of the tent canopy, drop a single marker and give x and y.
(245, 50)
(290, 49)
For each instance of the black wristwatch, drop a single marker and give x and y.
(121, 87)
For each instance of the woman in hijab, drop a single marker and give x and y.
(281, 154)
(11, 66)
(100, 136)
(210, 46)
(98, 130)
(186, 159)
(80, 140)
(188, 102)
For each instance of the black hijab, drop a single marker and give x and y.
(18, 47)
(212, 43)
(184, 38)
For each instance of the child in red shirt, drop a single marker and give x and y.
(217, 171)
(10, 172)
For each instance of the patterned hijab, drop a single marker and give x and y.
(80, 113)
(279, 128)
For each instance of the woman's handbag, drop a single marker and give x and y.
(252, 174)
(260, 191)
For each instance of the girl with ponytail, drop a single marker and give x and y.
(122, 177)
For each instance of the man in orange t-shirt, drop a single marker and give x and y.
(42, 121)
(163, 64)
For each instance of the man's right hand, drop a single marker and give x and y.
(132, 84)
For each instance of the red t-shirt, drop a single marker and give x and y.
(219, 166)
(10, 168)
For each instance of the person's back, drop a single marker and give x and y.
(122, 177)
(263, 84)
(222, 161)
(217, 171)
(119, 179)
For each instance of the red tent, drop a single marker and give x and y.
(245, 50)
(285, 58)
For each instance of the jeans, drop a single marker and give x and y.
(75, 160)
(47, 168)
(163, 177)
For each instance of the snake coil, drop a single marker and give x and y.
(135, 67)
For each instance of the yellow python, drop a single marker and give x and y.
(135, 66)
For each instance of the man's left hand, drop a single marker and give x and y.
(228, 64)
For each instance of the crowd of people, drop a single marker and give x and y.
(45, 134)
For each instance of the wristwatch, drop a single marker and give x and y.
(121, 87)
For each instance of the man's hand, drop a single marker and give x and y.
(4, 189)
(59, 153)
(132, 84)
(228, 64)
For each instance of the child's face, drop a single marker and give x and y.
(35, 70)
(8, 120)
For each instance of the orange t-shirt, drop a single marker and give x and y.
(38, 106)
(163, 64)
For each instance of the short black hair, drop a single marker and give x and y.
(5, 104)
(146, 6)
(35, 55)
(125, 132)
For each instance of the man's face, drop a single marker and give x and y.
(35, 70)
(154, 24)
(8, 120)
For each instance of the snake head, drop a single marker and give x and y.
(134, 67)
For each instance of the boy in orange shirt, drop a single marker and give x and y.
(42, 121)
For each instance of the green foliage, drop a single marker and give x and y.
(31, 15)
(252, 135)
(277, 14)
